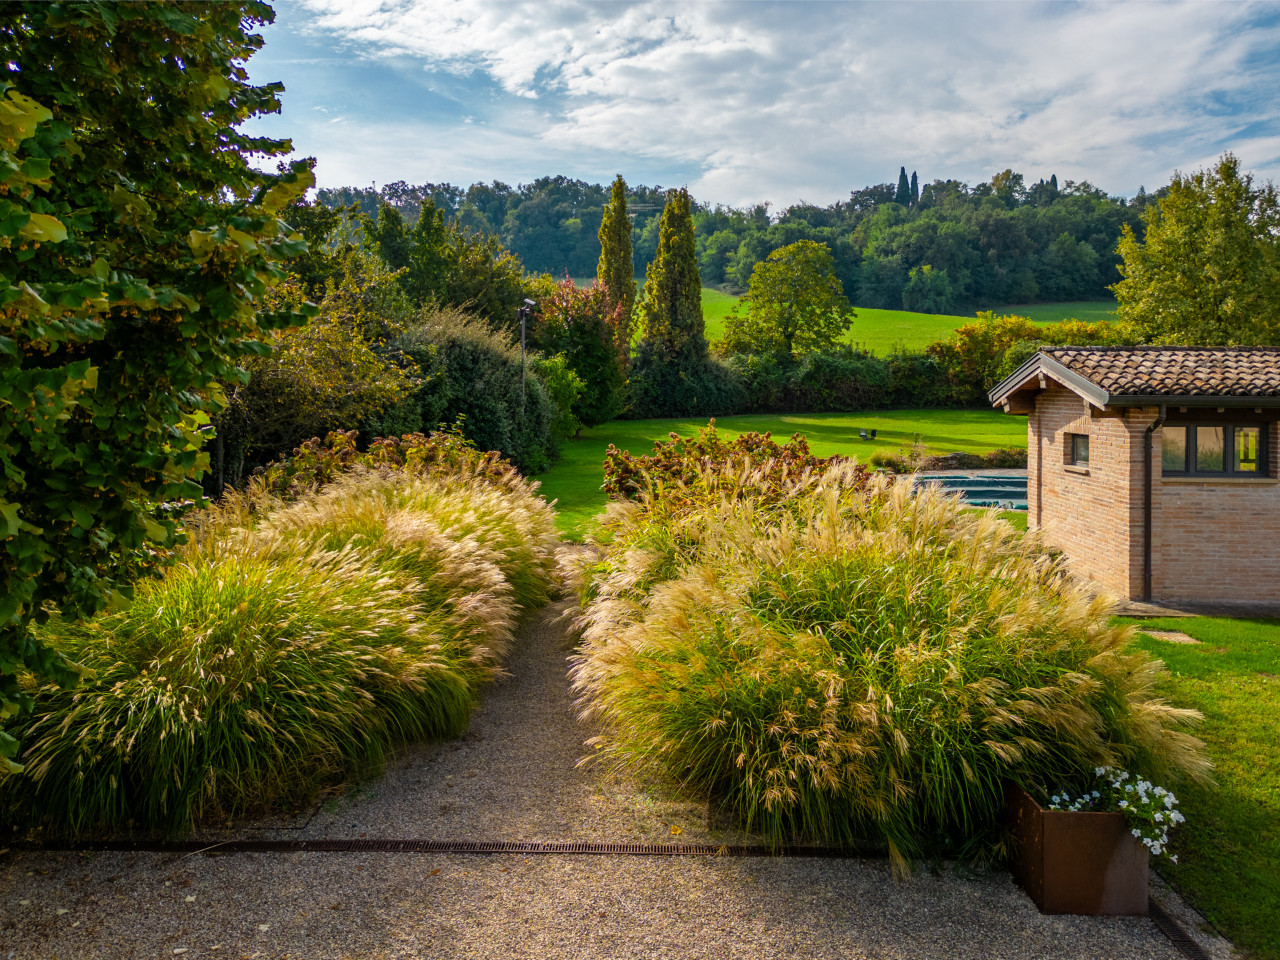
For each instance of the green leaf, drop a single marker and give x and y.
(44, 228)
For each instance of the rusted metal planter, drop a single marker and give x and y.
(1082, 863)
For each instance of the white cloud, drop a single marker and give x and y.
(788, 100)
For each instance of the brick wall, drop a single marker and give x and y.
(1211, 539)
(1092, 514)
(1217, 539)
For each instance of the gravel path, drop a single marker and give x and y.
(514, 777)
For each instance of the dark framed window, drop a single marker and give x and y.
(1078, 449)
(1213, 449)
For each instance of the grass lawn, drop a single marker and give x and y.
(576, 478)
(1088, 310)
(884, 331)
(1229, 848)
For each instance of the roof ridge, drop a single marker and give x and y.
(1146, 347)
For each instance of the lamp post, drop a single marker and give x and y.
(523, 313)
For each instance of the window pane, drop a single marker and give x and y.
(1173, 449)
(1079, 448)
(1209, 449)
(1246, 459)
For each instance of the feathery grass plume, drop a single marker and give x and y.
(250, 675)
(848, 663)
(292, 643)
(453, 577)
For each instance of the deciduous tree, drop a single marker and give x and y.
(1208, 271)
(137, 247)
(794, 304)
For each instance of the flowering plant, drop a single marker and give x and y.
(1149, 810)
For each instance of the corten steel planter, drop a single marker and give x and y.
(1083, 863)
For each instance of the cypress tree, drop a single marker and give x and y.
(915, 190)
(672, 308)
(672, 374)
(615, 270)
(903, 196)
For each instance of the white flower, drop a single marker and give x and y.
(1136, 832)
(1174, 858)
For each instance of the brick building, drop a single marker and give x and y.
(1156, 470)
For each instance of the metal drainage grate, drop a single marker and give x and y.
(1173, 930)
(452, 846)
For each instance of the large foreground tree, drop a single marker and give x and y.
(1208, 270)
(137, 246)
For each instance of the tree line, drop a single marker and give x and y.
(940, 247)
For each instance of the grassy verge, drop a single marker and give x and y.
(1229, 849)
(575, 479)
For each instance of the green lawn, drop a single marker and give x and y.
(575, 479)
(884, 331)
(1088, 310)
(1229, 848)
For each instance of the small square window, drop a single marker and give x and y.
(1078, 449)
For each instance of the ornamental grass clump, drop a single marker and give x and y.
(852, 663)
(291, 645)
(250, 675)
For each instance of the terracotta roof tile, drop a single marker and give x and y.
(1176, 371)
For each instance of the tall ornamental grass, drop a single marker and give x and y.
(289, 647)
(843, 664)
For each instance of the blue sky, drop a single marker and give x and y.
(777, 102)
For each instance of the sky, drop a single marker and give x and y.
(772, 102)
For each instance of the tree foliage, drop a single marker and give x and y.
(137, 247)
(587, 326)
(615, 269)
(332, 374)
(1208, 271)
(671, 314)
(445, 263)
(794, 304)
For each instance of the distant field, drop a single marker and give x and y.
(1088, 310)
(576, 478)
(884, 331)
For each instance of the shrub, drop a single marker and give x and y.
(443, 453)
(841, 379)
(329, 375)
(472, 374)
(687, 468)
(853, 666)
(974, 357)
(687, 384)
(589, 328)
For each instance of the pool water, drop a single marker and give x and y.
(1008, 491)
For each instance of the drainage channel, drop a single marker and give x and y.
(1173, 930)
(447, 846)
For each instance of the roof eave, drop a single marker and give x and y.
(1042, 363)
(1176, 400)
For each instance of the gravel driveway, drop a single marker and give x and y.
(514, 777)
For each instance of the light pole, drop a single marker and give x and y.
(523, 313)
